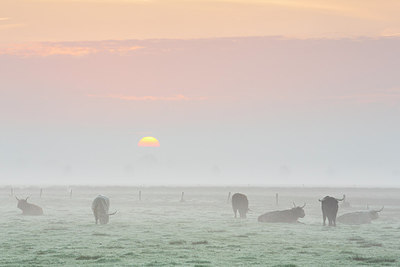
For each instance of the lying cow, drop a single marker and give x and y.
(330, 207)
(359, 217)
(100, 208)
(283, 216)
(345, 203)
(241, 204)
(29, 208)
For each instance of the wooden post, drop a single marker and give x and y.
(182, 197)
(277, 199)
(140, 195)
(41, 192)
(229, 197)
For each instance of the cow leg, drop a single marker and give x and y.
(324, 217)
(242, 214)
(235, 211)
(334, 222)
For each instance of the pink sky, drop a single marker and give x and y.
(325, 109)
(81, 84)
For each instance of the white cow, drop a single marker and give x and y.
(359, 217)
(100, 208)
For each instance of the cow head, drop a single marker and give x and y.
(374, 214)
(22, 203)
(330, 199)
(104, 218)
(298, 211)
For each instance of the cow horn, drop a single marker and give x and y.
(26, 198)
(319, 200)
(17, 198)
(112, 213)
(303, 205)
(380, 209)
(341, 199)
(294, 204)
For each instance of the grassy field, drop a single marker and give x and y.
(201, 231)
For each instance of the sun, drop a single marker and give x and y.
(148, 141)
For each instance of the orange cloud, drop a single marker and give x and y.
(51, 49)
(8, 25)
(390, 32)
(150, 98)
(11, 26)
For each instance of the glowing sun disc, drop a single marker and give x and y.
(148, 141)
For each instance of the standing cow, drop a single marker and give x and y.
(100, 208)
(241, 204)
(330, 208)
(29, 208)
(359, 217)
(283, 216)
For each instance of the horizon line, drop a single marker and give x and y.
(310, 186)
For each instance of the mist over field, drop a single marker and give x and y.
(160, 230)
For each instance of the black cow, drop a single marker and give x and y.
(29, 208)
(283, 216)
(330, 208)
(241, 204)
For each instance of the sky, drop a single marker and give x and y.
(83, 20)
(237, 92)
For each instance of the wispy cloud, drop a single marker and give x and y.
(5, 24)
(390, 32)
(68, 49)
(10, 26)
(178, 97)
(344, 8)
(384, 96)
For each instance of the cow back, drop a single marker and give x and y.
(240, 201)
(283, 216)
(101, 204)
(329, 206)
(359, 217)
